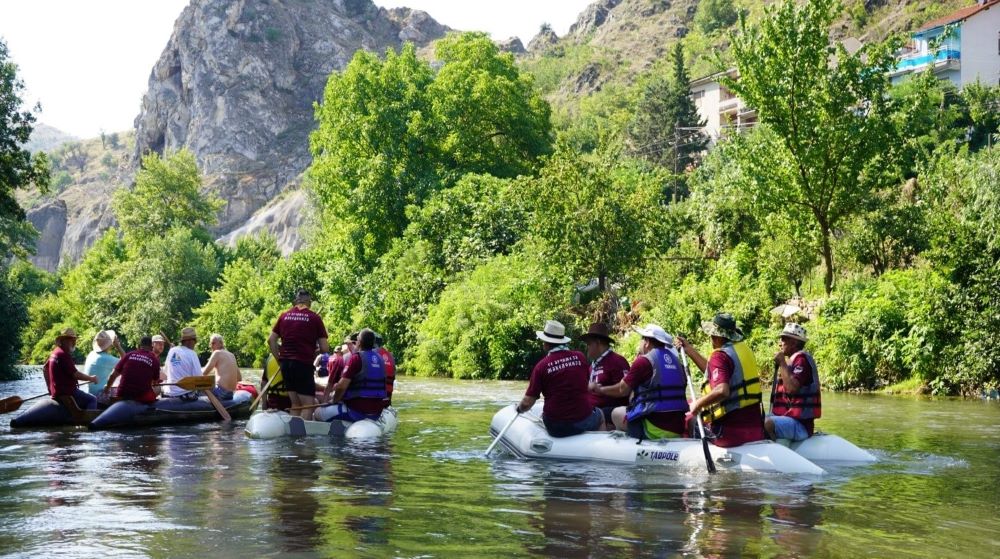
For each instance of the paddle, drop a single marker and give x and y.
(197, 382)
(13, 403)
(502, 431)
(263, 391)
(223, 413)
(309, 407)
(701, 428)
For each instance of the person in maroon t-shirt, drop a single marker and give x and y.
(649, 424)
(139, 371)
(561, 376)
(61, 375)
(300, 330)
(607, 368)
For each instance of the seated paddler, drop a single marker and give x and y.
(561, 377)
(795, 393)
(658, 382)
(360, 393)
(139, 371)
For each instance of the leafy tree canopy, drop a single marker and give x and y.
(167, 194)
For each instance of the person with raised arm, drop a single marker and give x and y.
(795, 395)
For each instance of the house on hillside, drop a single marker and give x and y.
(720, 108)
(963, 47)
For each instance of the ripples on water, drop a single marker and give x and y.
(428, 492)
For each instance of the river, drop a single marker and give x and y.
(427, 492)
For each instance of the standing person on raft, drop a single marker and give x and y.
(299, 330)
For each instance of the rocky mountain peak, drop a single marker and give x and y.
(237, 82)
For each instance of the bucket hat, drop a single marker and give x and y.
(553, 333)
(654, 332)
(104, 339)
(723, 325)
(795, 331)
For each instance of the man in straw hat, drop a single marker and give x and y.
(607, 368)
(795, 394)
(656, 377)
(732, 407)
(61, 374)
(182, 362)
(100, 362)
(299, 330)
(561, 376)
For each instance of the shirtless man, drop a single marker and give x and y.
(227, 372)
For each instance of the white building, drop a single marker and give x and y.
(963, 47)
(720, 108)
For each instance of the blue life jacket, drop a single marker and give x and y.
(664, 391)
(371, 382)
(324, 361)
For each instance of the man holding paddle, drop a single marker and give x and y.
(61, 374)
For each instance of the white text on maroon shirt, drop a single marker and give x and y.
(562, 363)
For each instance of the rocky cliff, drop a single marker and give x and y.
(236, 85)
(237, 82)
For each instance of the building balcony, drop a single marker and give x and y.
(939, 59)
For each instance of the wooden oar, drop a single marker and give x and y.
(13, 403)
(709, 463)
(263, 391)
(197, 382)
(223, 413)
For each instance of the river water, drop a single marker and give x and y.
(207, 490)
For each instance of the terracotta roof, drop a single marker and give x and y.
(958, 15)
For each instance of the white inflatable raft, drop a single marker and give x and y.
(527, 438)
(273, 424)
(824, 447)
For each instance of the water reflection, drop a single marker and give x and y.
(360, 476)
(292, 474)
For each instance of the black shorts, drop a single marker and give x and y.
(298, 377)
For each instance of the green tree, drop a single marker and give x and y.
(372, 155)
(715, 14)
(595, 219)
(666, 129)
(18, 167)
(167, 193)
(828, 107)
(158, 288)
(488, 117)
(456, 229)
(984, 112)
(13, 317)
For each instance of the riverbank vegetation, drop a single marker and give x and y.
(454, 217)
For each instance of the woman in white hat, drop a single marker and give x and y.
(100, 362)
(561, 377)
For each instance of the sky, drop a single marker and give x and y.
(88, 61)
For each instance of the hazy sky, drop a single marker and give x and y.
(88, 61)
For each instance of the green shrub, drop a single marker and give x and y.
(483, 325)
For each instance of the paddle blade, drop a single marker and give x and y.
(708, 456)
(13, 403)
(223, 412)
(199, 382)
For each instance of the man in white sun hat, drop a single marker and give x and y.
(100, 362)
(659, 383)
(795, 394)
(561, 377)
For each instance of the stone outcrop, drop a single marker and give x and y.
(512, 45)
(50, 221)
(545, 38)
(593, 17)
(282, 218)
(237, 82)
